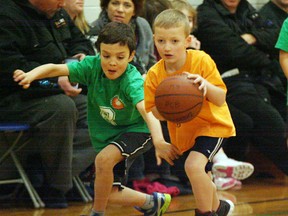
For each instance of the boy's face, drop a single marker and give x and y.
(114, 59)
(171, 44)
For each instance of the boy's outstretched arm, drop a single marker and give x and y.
(163, 149)
(43, 71)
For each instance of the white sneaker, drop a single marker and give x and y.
(232, 168)
(224, 183)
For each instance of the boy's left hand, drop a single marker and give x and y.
(198, 79)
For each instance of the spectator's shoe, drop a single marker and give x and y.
(232, 168)
(225, 208)
(161, 204)
(224, 183)
(197, 213)
(94, 214)
(53, 198)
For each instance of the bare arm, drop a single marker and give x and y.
(163, 149)
(43, 71)
(283, 59)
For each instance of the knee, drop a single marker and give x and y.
(103, 162)
(192, 169)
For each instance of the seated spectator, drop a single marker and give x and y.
(35, 33)
(276, 11)
(256, 96)
(75, 9)
(185, 7)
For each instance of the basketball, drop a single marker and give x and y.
(178, 99)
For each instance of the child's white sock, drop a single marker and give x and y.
(149, 203)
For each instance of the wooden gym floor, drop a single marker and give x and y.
(257, 196)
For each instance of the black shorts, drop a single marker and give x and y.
(131, 146)
(208, 146)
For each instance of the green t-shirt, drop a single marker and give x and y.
(111, 103)
(282, 42)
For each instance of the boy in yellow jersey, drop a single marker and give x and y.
(203, 136)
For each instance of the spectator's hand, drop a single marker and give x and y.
(79, 56)
(249, 38)
(200, 80)
(22, 78)
(166, 151)
(195, 43)
(69, 90)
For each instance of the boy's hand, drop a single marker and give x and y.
(200, 80)
(22, 78)
(166, 151)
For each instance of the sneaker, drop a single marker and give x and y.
(225, 208)
(161, 204)
(197, 213)
(232, 168)
(224, 183)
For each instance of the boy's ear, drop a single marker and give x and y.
(131, 56)
(188, 41)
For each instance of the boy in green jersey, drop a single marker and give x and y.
(117, 118)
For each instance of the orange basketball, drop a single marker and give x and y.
(178, 99)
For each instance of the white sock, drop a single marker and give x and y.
(149, 203)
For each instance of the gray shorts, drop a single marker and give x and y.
(131, 146)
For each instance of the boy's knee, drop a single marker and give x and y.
(103, 161)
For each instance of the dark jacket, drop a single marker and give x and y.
(220, 35)
(273, 13)
(276, 15)
(28, 39)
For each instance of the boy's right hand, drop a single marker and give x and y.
(22, 78)
(166, 151)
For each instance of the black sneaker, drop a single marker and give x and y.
(225, 208)
(197, 213)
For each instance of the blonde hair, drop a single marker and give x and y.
(185, 5)
(172, 18)
(81, 22)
